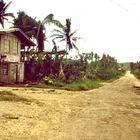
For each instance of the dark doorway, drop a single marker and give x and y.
(17, 73)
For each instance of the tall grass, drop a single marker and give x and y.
(82, 85)
(75, 86)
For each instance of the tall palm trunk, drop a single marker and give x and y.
(40, 39)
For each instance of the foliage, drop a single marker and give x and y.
(26, 23)
(11, 97)
(65, 34)
(41, 29)
(45, 68)
(42, 64)
(135, 69)
(3, 14)
(52, 69)
(82, 85)
(48, 80)
(137, 72)
(125, 66)
(108, 68)
(75, 86)
(34, 28)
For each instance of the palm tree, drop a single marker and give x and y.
(3, 14)
(65, 34)
(41, 29)
(26, 23)
(96, 57)
(34, 28)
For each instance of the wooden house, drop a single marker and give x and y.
(11, 42)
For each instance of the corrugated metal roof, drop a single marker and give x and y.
(19, 34)
(9, 30)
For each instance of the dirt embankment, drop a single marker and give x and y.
(111, 112)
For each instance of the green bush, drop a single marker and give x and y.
(48, 80)
(103, 74)
(82, 85)
(137, 72)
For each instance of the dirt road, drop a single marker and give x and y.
(111, 112)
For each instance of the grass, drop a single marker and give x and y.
(114, 78)
(75, 86)
(82, 85)
(9, 96)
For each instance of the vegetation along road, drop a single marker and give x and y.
(111, 112)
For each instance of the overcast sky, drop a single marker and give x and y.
(107, 26)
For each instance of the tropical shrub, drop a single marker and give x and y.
(135, 69)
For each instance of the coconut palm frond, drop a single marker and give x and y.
(54, 43)
(48, 19)
(75, 47)
(57, 23)
(6, 7)
(3, 14)
(2, 22)
(57, 35)
(73, 32)
(62, 39)
(73, 39)
(65, 34)
(55, 30)
(5, 18)
(9, 14)
(10, 22)
(76, 38)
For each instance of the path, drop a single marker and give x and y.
(111, 112)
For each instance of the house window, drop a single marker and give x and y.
(14, 48)
(9, 46)
(17, 47)
(5, 69)
(6, 46)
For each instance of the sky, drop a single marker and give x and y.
(106, 26)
